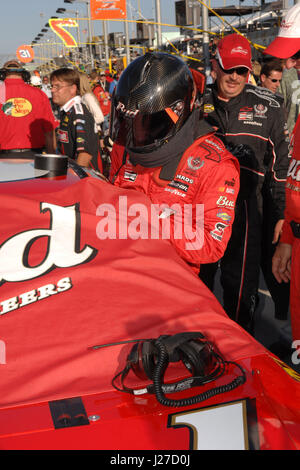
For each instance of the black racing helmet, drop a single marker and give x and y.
(151, 102)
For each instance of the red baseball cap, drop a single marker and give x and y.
(234, 51)
(287, 42)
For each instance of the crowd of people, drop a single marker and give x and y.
(229, 143)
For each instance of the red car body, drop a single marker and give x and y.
(65, 288)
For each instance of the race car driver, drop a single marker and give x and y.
(76, 134)
(164, 149)
(26, 119)
(250, 121)
(286, 265)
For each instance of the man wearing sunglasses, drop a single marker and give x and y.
(271, 75)
(286, 261)
(250, 121)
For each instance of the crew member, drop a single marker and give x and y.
(164, 149)
(271, 75)
(77, 137)
(250, 121)
(101, 91)
(286, 260)
(26, 119)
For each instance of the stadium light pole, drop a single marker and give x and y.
(158, 20)
(205, 28)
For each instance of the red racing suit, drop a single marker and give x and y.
(292, 237)
(207, 176)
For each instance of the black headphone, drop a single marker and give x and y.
(190, 348)
(24, 73)
(149, 359)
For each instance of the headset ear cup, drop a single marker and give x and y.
(134, 361)
(194, 356)
(26, 76)
(149, 356)
(141, 360)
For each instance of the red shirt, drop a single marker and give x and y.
(25, 116)
(292, 210)
(103, 98)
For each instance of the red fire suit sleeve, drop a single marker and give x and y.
(205, 235)
(195, 209)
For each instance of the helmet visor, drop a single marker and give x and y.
(142, 129)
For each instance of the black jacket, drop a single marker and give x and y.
(77, 134)
(252, 126)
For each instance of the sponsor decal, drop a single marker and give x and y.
(293, 171)
(179, 185)
(245, 116)
(79, 140)
(286, 25)
(62, 249)
(185, 178)
(223, 201)
(63, 136)
(239, 50)
(230, 182)
(78, 108)
(17, 107)
(246, 108)
(214, 145)
(218, 231)
(130, 176)
(224, 216)
(175, 192)
(293, 187)
(127, 112)
(195, 163)
(230, 191)
(208, 108)
(260, 110)
(40, 293)
(253, 123)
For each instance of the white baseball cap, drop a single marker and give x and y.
(287, 42)
(35, 80)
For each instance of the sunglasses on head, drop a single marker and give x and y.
(238, 70)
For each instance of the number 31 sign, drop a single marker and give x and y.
(25, 53)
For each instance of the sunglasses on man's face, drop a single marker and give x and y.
(238, 70)
(275, 80)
